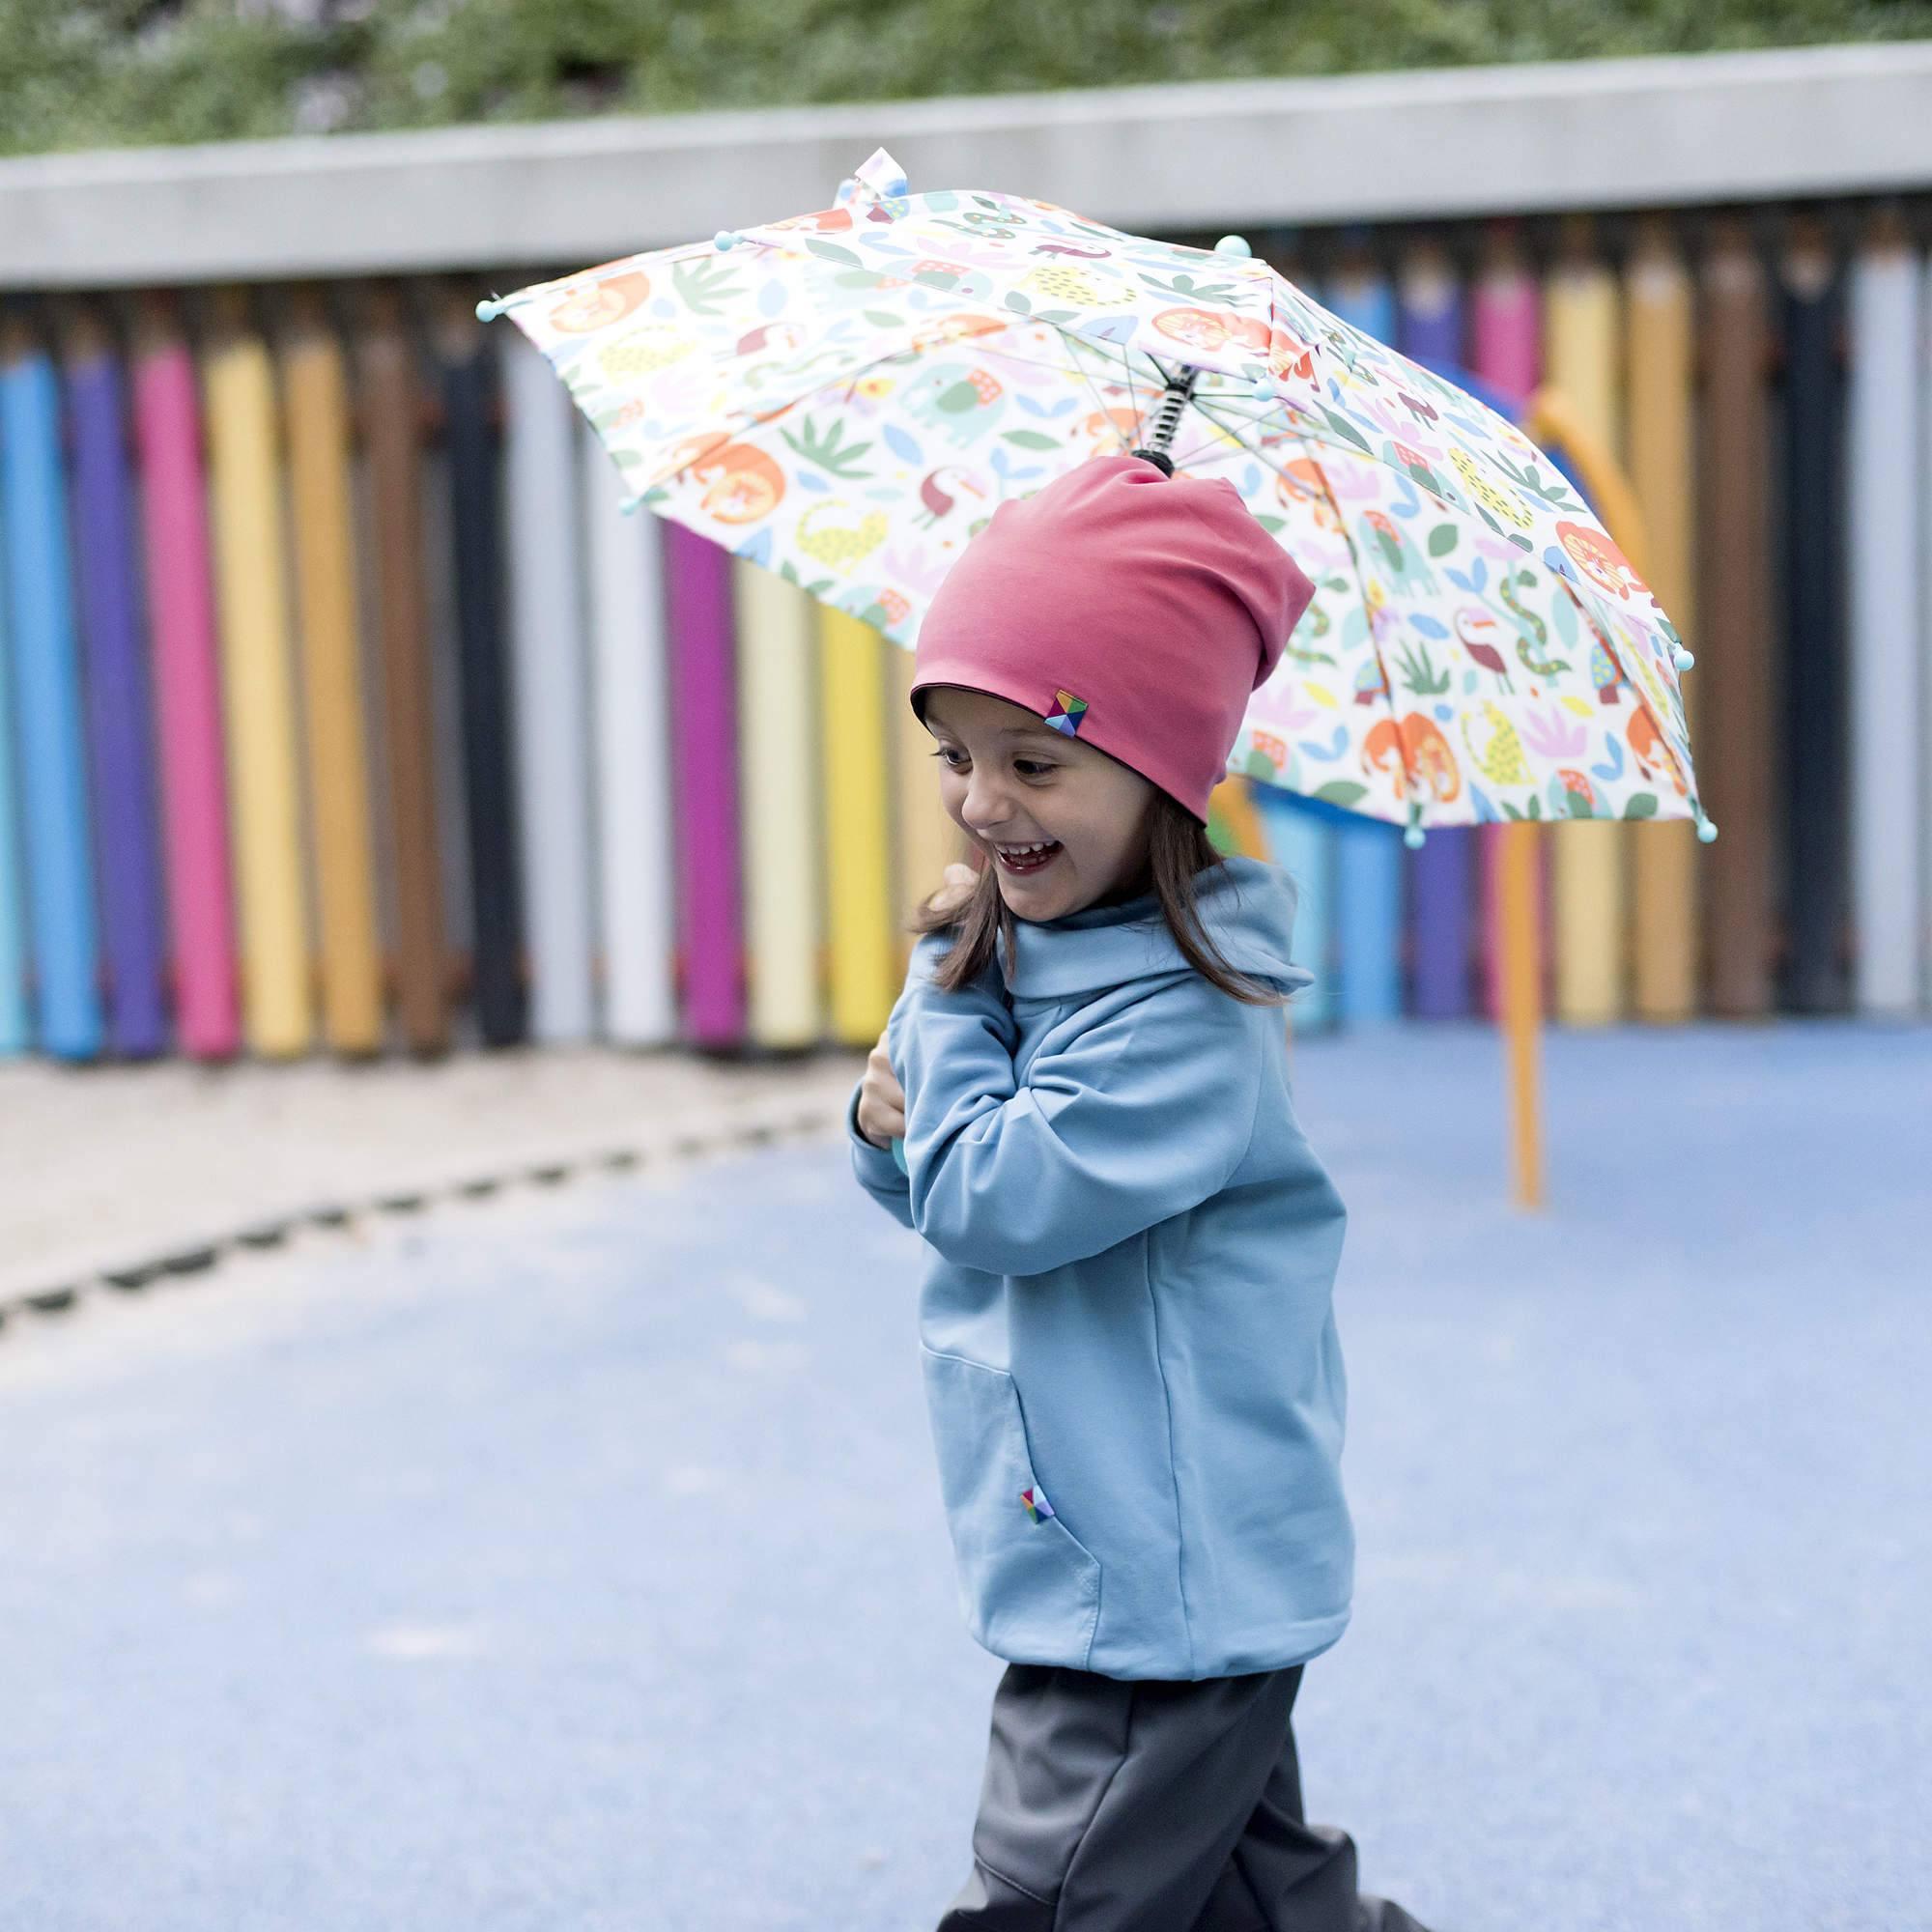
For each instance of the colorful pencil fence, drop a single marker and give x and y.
(343, 709)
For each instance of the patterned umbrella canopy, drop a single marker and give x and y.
(845, 397)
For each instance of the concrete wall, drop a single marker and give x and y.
(1452, 142)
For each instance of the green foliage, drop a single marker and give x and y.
(78, 73)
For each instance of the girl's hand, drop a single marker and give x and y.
(881, 1101)
(961, 882)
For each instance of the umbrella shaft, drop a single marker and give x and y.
(1167, 418)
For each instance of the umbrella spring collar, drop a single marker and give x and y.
(1179, 394)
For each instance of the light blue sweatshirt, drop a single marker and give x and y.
(1132, 1367)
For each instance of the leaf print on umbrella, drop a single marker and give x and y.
(828, 449)
(1549, 733)
(789, 572)
(1556, 494)
(1185, 289)
(1418, 673)
(1345, 430)
(703, 282)
(831, 251)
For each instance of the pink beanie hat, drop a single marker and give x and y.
(1132, 611)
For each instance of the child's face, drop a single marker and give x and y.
(1008, 780)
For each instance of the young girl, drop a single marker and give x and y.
(1130, 1359)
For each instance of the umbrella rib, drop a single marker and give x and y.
(1601, 632)
(1295, 429)
(1207, 448)
(1222, 400)
(1409, 793)
(983, 347)
(1127, 370)
(1078, 342)
(1099, 401)
(1058, 368)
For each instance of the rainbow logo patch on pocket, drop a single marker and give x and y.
(1037, 1505)
(1068, 714)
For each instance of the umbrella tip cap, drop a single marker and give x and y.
(726, 237)
(1706, 830)
(1233, 244)
(1683, 659)
(1413, 838)
(489, 309)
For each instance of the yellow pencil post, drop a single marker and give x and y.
(1661, 332)
(1550, 418)
(1580, 363)
(1516, 895)
(258, 682)
(315, 394)
(927, 840)
(856, 785)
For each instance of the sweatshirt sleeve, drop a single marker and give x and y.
(1141, 1116)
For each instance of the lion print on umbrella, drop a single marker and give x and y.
(595, 304)
(740, 484)
(1414, 756)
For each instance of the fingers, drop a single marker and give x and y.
(881, 1114)
(960, 881)
(882, 1080)
(881, 1098)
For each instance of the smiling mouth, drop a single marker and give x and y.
(1021, 860)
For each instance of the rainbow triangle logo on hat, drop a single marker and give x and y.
(1068, 713)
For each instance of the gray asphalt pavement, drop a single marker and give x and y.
(574, 1559)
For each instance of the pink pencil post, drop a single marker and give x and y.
(704, 738)
(1505, 349)
(187, 697)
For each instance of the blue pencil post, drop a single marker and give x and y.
(120, 726)
(1301, 842)
(1368, 853)
(1441, 875)
(52, 765)
(17, 1033)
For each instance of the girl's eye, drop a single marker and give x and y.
(1026, 767)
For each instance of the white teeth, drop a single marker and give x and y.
(1022, 851)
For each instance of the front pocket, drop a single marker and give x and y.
(1029, 1589)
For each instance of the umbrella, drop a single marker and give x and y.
(844, 397)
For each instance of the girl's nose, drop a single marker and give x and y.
(986, 807)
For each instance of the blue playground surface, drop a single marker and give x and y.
(574, 1560)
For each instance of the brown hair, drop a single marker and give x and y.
(1178, 852)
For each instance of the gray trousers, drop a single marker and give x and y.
(1148, 1806)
